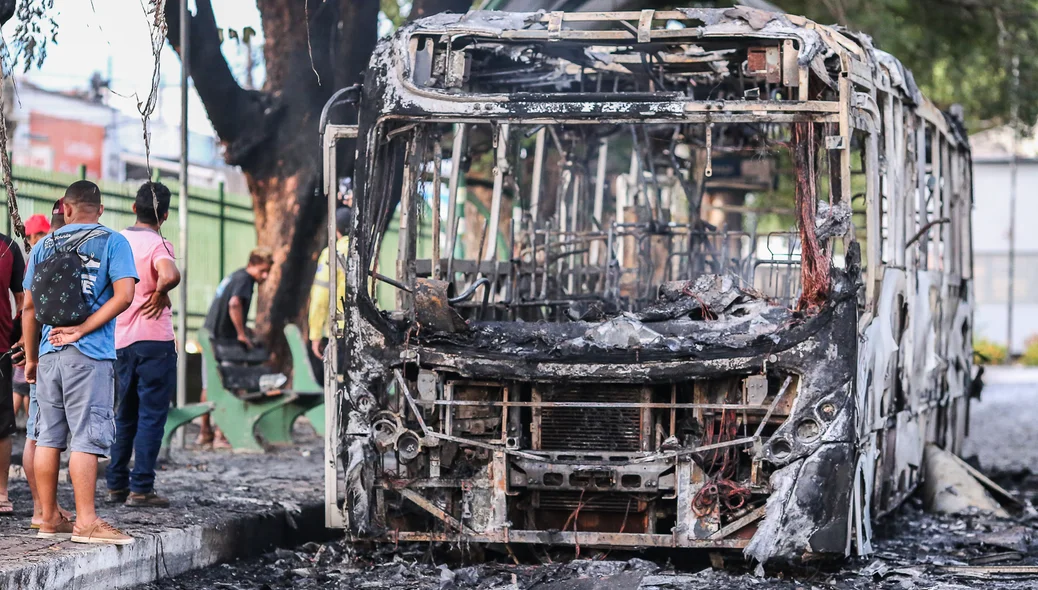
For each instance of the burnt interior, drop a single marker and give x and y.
(595, 219)
(703, 70)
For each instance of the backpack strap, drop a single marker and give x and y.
(74, 248)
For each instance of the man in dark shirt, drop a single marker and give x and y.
(12, 267)
(229, 310)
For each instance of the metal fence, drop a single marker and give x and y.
(220, 225)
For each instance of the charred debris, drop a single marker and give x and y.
(636, 322)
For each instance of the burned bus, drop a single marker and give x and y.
(696, 278)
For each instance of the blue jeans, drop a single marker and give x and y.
(146, 380)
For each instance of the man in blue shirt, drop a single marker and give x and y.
(73, 366)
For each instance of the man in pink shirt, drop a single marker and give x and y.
(146, 364)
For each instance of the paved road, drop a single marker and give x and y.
(1004, 423)
(914, 550)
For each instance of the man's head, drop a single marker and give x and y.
(343, 220)
(260, 261)
(36, 227)
(82, 202)
(57, 215)
(148, 195)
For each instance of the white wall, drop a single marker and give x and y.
(30, 99)
(991, 183)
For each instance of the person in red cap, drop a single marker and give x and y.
(36, 228)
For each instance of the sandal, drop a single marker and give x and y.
(221, 442)
(6, 507)
(35, 526)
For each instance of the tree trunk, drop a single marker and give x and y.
(272, 134)
(311, 50)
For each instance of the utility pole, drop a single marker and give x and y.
(182, 210)
(1014, 106)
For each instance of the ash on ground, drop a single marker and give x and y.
(205, 488)
(913, 549)
(916, 550)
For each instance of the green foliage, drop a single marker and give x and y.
(959, 51)
(989, 353)
(393, 13)
(1030, 355)
(36, 30)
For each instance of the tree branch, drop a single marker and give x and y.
(236, 114)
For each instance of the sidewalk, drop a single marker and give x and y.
(224, 506)
(1010, 374)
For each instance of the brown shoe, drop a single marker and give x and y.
(149, 500)
(117, 496)
(101, 532)
(62, 530)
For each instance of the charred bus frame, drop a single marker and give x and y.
(623, 359)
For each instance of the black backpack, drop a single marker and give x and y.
(57, 286)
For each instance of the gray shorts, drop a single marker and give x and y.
(76, 395)
(34, 410)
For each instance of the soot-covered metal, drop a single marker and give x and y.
(644, 280)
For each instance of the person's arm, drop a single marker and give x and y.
(17, 276)
(236, 311)
(168, 279)
(317, 317)
(30, 337)
(122, 297)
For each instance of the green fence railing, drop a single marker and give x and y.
(221, 231)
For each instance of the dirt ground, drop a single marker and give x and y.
(205, 488)
(913, 549)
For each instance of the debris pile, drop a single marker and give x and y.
(914, 550)
(687, 317)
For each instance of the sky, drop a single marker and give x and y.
(112, 37)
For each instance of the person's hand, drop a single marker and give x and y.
(317, 349)
(18, 353)
(30, 371)
(244, 339)
(155, 305)
(64, 336)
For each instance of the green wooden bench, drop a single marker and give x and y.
(242, 419)
(178, 417)
(303, 382)
(249, 422)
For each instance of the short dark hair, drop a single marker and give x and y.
(82, 192)
(147, 196)
(343, 220)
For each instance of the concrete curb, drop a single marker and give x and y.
(165, 554)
